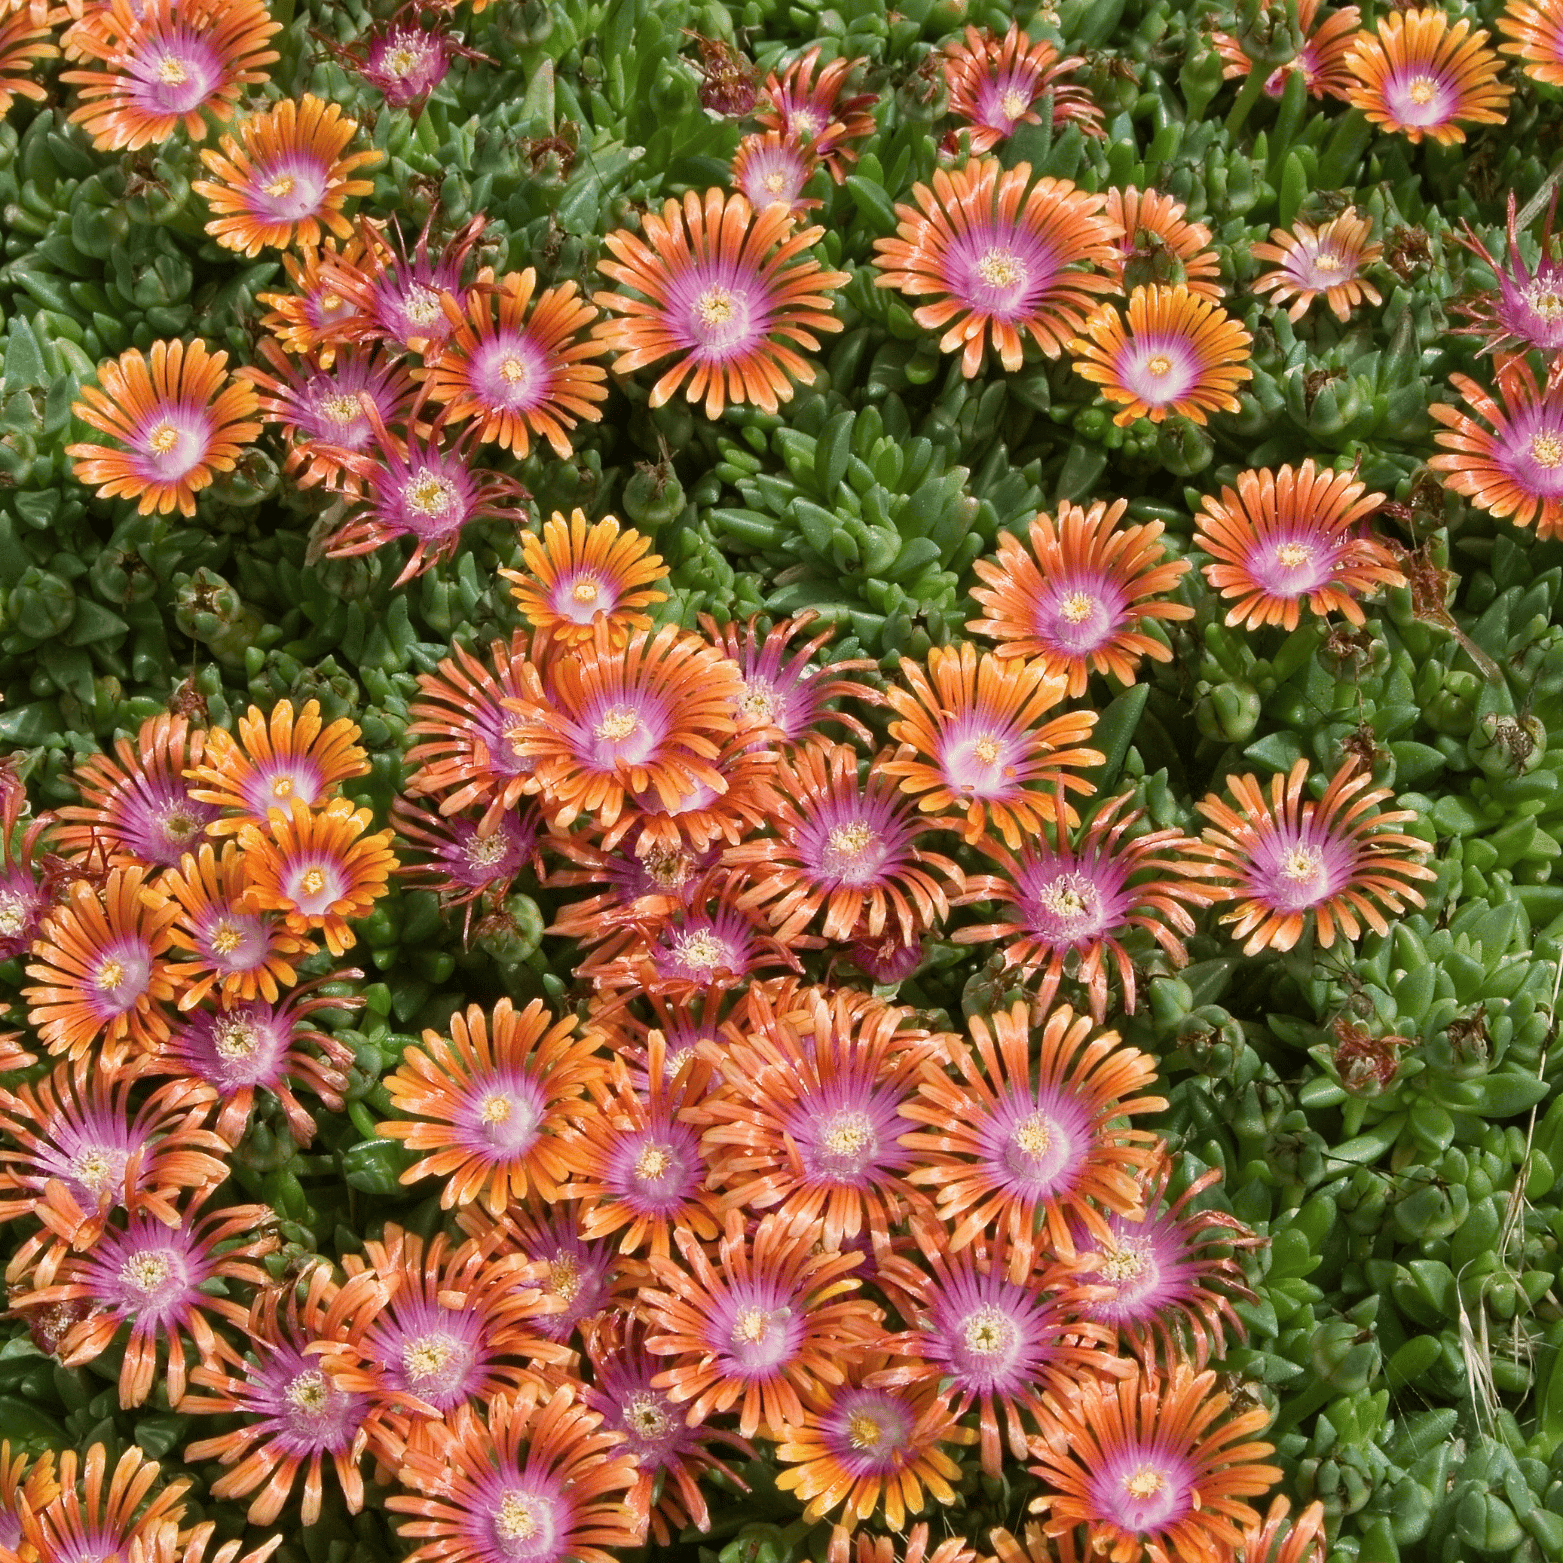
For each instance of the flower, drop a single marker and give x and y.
(169, 63)
(844, 845)
(320, 410)
(772, 169)
(1424, 75)
(1516, 471)
(1078, 598)
(463, 867)
(85, 1520)
(420, 488)
(528, 1486)
(287, 181)
(772, 1317)
(706, 816)
(1283, 537)
(1282, 861)
(1071, 903)
(180, 417)
(23, 898)
(811, 109)
(1526, 310)
(870, 1447)
(265, 1046)
(725, 288)
(648, 715)
(24, 1480)
(1328, 260)
(158, 1280)
(1169, 1280)
(405, 61)
(1303, 1538)
(296, 1413)
(580, 573)
(972, 739)
(1158, 244)
(670, 1455)
(1152, 1466)
(319, 869)
(995, 83)
(807, 1120)
(493, 1103)
(140, 811)
(1322, 59)
(1533, 34)
(100, 972)
(290, 761)
(1182, 355)
(527, 374)
(1001, 256)
(315, 317)
(26, 39)
(1024, 1143)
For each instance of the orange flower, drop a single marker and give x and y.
(26, 39)
(1001, 256)
(772, 170)
(580, 572)
(1078, 598)
(86, 1512)
(1301, 1541)
(1159, 245)
(181, 419)
(1181, 355)
(498, 1101)
(1532, 33)
(810, 109)
(1328, 260)
(319, 869)
(317, 316)
(995, 83)
(289, 179)
(1424, 75)
(23, 1481)
(1326, 43)
(726, 289)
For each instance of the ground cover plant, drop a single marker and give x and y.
(780, 781)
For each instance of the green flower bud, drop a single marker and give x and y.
(1507, 745)
(209, 610)
(1345, 1355)
(1230, 711)
(41, 605)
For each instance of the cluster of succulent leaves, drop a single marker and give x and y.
(1409, 1327)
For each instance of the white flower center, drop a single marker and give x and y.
(1000, 269)
(715, 306)
(431, 495)
(618, 724)
(422, 305)
(1546, 450)
(1293, 555)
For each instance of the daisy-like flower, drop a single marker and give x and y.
(782, 689)
(773, 1316)
(974, 748)
(24, 1480)
(1079, 598)
(648, 715)
(670, 1456)
(1167, 1283)
(405, 61)
(238, 953)
(731, 291)
(1533, 34)
(1181, 355)
(289, 760)
(1153, 1466)
(461, 866)
(140, 810)
(319, 869)
(296, 1413)
(423, 489)
(1000, 256)
(871, 1449)
(168, 62)
(320, 409)
(1284, 1540)
(528, 1485)
(26, 40)
(179, 419)
(1282, 538)
(1526, 309)
(1423, 75)
(104, 1513)
(1327, 39)
(995, 82)
(287, 181)
(1074, 901)
(809, 108)
(491, 1106)
(266, 1047)
(24, 895)
(100, 971)
(317, 316)
(1329, 260)
(1288, 864)
(705, 816)
(1158, 244)
(526, 373)
(990, 1341)
(808, 1120)
(580, 572)
(772, 169)
(157, 1280)
(1027, 1140)
(1514, 468)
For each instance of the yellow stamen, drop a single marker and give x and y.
(564, 1277)
(515, 1520)
(863, 1432)
(774, 183)
(584, 591)
(513, 370)
(329, 302)
(1293, 555)
(1033, 1136)
(1302, 864)
(313, 881)
(1122, 1264)
(282, 787)
(422, 305)
(1422, 90)
(701, 951)
(756, 702)
(751, 1325)
(652, 1164)
(1326, 260)
(1000, 269)
(486, 851)
(399, 61)
(236, 1039)
(1159, 365)
(1547, 304)
(851, 840)
(310, 1392)
(13, 915)
(110, 974)
(227, 939)
(163, 439)
(645, 1417)
(172, 72)
(1014, 103)
(618, 724)
(1063, 900)
(1144, 1483)
(431, 495)
(92, 1170)
(341, 409)
(424, 1358)
(1546, 450)
(850, 1133)
(280, 186)
(495, 1109)
(1077, 607)
(988, 1332)
(986, 750)
(668, 868)
(716, 307)
(146, 1271)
